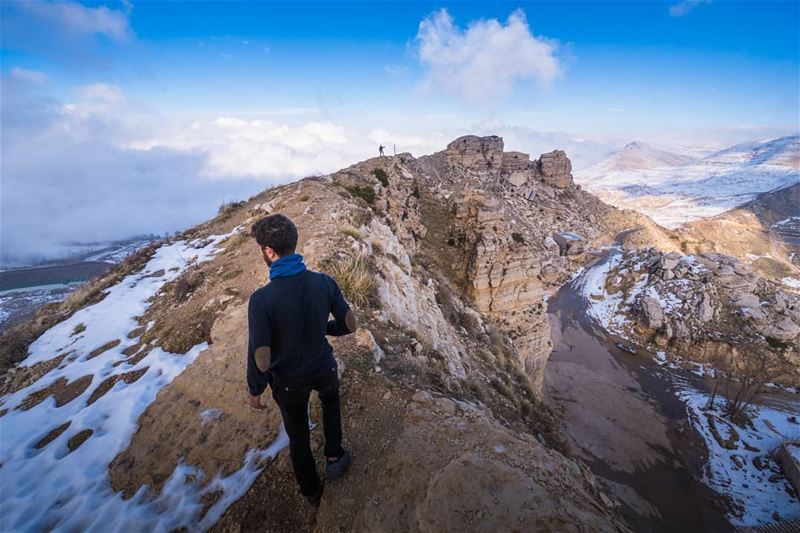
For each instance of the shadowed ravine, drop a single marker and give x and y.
(623, 419)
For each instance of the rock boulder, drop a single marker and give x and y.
(555, 169)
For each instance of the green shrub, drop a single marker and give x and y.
(236, 240)
(366, 193)
(381, 176)
(226, 210)
(776, 343)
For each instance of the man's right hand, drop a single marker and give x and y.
(255, 402)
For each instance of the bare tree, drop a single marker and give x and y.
(744, 377)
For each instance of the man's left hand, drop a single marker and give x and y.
(255, 402)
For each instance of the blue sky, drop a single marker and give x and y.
(628, 67)
(251, 93)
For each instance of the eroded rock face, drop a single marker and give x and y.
(483, 155)
(395, 189)
(504, 280)
(517, 168)
(555, 168)
(569, 243)
(493, 228)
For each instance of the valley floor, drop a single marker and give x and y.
(641, 425)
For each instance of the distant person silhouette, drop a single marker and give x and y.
(287, 350)
(380, 149)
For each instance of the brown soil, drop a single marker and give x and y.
(53, 435)
(104, 348)
(620, 418)
(105, 386)
(61, 390)
(746, 233)
(79, 438)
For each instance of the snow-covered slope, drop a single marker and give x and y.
(673, 192)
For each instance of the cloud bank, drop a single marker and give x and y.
(102, 168)
(486, 60)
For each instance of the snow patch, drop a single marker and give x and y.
(50, 487)
(791, 282)
(733, 472)
(209, 415)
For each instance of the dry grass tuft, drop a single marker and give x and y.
(355, 274)
(350, 231)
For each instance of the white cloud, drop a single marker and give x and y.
(682, 8)
(68, 175)
(69, 32)
(486, 60)
(79, 19)
(104, 167)
(31, 76)
(260, 149)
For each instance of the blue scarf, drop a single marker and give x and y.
(288, 265)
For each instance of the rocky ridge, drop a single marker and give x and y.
(447, 259)
(487, 220)
(758, 233)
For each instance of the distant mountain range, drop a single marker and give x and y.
(675, 188)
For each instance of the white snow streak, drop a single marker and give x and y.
(51, 488)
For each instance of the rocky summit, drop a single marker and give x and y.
(448, 260)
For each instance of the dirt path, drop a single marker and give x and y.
(372, 417)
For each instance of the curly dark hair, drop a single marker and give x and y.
(277, 232)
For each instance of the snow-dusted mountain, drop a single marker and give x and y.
(638, 156)
(674, 188)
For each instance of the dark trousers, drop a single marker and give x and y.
(293, 403)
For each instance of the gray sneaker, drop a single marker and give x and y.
(336, 469)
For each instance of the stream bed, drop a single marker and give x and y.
(640, 423)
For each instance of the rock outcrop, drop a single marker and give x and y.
(491, 479)
(490, 228)
(555, 169)
(517, 168)
(483, 157)
(569, 243)
(503, 279)
(479, 155)
(709, 308)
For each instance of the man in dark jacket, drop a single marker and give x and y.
(288, 320)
